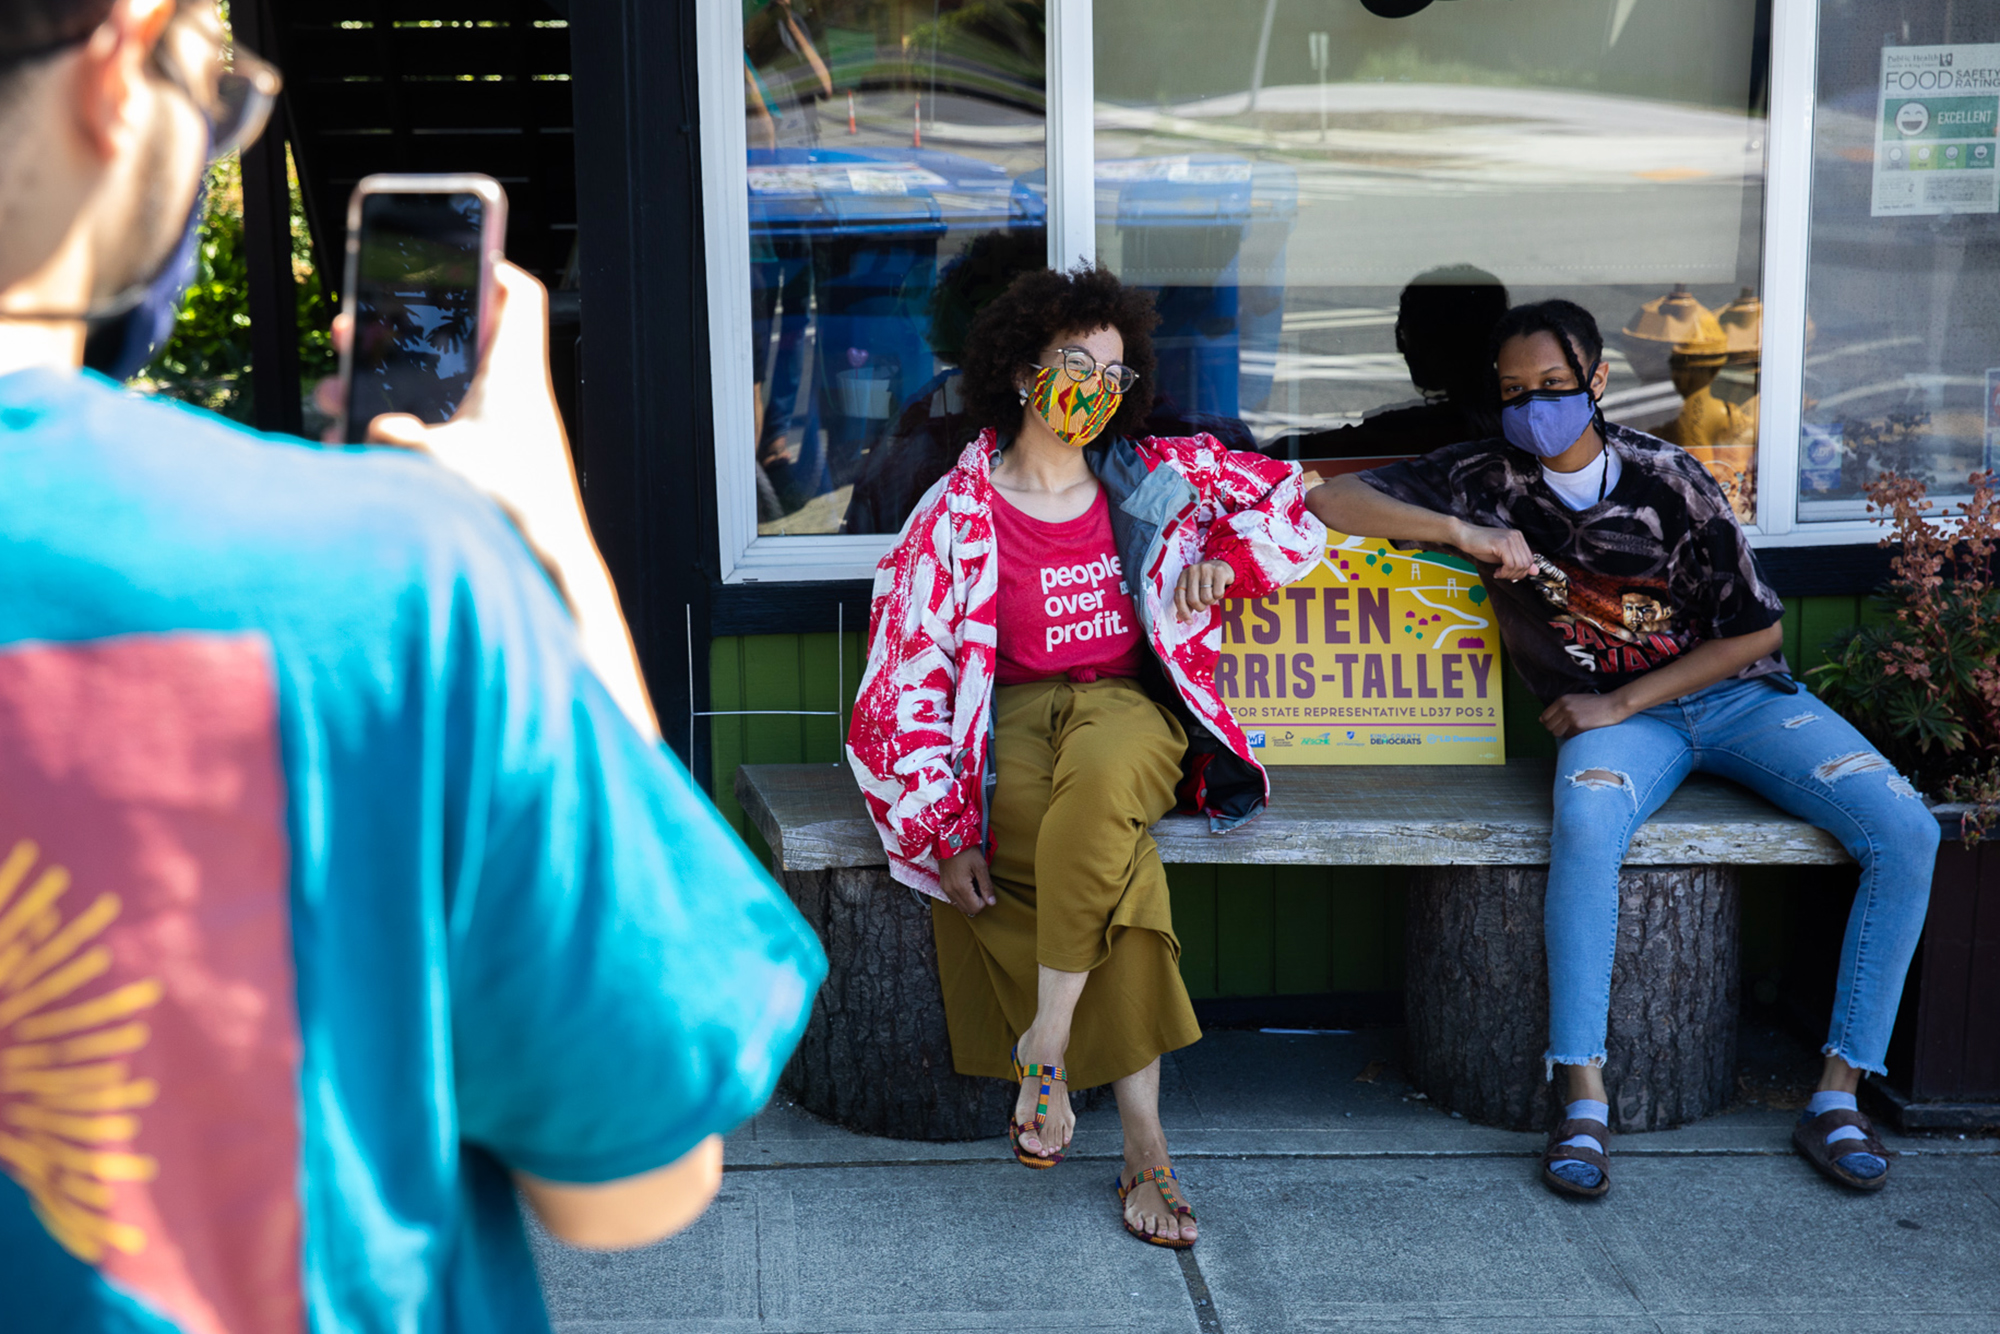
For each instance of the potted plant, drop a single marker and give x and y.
(1923, 684)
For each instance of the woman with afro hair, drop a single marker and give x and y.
(1040, 689)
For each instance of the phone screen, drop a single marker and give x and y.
(416, 306)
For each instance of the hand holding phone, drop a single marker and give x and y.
(418, 296)
(507, 441)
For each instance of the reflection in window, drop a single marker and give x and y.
(1332, 206)
(896, 166)
(1903, 276)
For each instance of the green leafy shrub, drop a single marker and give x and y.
(1924, 684)
(206, 361)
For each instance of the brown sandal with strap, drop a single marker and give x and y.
(1809, 1137)
(1164, 1178)
(1048, 1075)
(1556, 1152)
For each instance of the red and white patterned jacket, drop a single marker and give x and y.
(921, 738)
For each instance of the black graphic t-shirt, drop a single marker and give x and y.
(1656, 567)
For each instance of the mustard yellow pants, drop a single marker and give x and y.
(1083, 771)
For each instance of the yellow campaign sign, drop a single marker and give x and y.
(1377, 657)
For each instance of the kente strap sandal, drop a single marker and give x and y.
(1558, 1153)
(1809, 1137)
(1048, 1075)
(1164, 1178)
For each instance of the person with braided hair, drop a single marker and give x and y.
(1630, 600)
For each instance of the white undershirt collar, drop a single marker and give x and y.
(1587, 485)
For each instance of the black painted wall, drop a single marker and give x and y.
(646, 449)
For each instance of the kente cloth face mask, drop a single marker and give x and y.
(1075, 411)
(1547, 422)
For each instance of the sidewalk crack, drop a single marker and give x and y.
(1199, 1296)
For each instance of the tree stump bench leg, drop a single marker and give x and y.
(1477, 999)
(876, 1056)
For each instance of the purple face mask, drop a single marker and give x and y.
(1547, 422)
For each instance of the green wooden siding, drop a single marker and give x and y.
(776, 672)
(1245, 930)
(1288, 930)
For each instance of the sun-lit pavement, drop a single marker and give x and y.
(1326, 1203)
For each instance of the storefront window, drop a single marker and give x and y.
(896, 154)
(1333, 207)
(1902, 363)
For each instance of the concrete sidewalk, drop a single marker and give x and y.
(1327, 1202)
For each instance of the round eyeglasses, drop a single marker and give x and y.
(231, 86)
(1079, 365)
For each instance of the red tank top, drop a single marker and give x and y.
(1064, 606)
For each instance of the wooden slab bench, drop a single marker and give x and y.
(876, 1056)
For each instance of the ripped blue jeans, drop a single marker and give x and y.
(1800, 755)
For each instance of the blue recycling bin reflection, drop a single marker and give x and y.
(1206, 233)
(845, 250)
(844, 255)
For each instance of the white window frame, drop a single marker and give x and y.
(725, 198)
(746, 557)
(1788, 186)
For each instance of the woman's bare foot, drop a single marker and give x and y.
(1038, 1048)
(1146, 1209)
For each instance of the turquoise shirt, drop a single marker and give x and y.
(336, 887)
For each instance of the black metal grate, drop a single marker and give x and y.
(433, 85)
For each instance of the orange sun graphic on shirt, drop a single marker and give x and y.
(68, 1102)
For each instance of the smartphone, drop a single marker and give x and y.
(419, 291)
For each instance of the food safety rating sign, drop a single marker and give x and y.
(1937, 131)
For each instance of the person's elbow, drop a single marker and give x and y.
(1331, 502)
(633, 1211)
(1339, 486)
(1764, 642)
(1752, 646)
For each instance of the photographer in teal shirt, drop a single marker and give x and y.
(345, 886)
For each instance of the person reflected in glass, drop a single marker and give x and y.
(784, 75)
(1629, 599)
(931, 426)
(1040, 690)
(1444, 326)
(781, 302)
(784, 78)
